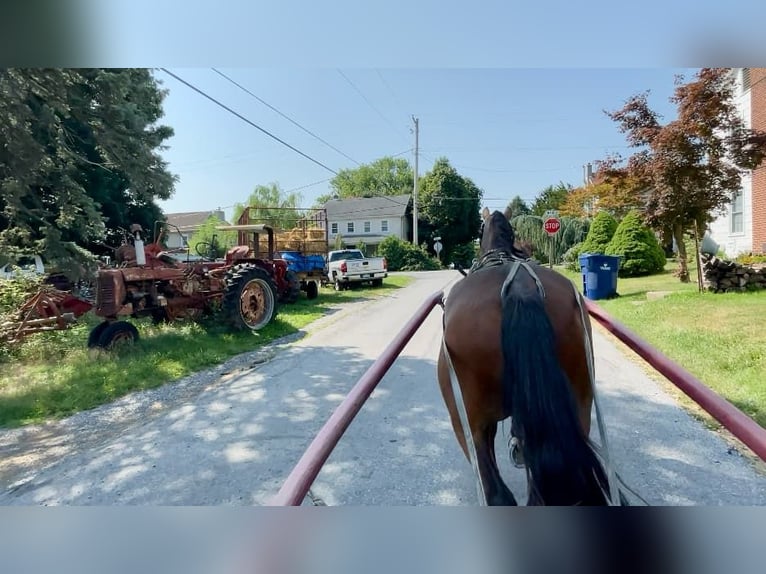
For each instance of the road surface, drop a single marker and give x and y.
(231, 436)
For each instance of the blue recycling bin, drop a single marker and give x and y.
(599, 275)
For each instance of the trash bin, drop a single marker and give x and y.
(599, 275)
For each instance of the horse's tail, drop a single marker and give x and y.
(562, 466)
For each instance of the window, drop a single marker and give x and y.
(737, 213)
(334, 228)
(384, 225)
(350, 227)
(366, 226)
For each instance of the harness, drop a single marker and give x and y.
(500, 257)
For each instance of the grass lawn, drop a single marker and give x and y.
(717, 337)
(54, 375)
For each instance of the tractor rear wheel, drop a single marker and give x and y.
(293, 291)
(250, 297)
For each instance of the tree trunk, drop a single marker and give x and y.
(667, 240)
(683, 269)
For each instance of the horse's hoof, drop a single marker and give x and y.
(516, 455)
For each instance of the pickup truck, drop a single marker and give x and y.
(347, 266)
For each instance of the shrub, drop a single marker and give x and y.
(571, 256)
(463, 255)
(750, 258)
(404, 256)
(600, 233)
(637, 246)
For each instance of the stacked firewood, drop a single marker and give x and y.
(724, 276)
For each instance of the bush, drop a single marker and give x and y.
(529, 229)
(637, 246)
(749, 258)
(463, 255)
(404, 256)
(600, 233)
(571, 257)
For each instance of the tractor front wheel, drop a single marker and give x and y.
(312, 290)
(95, 334)
(250, 298)
(117, 334)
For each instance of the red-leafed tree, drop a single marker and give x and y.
(692, 166)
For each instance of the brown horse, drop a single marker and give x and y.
(517, 345)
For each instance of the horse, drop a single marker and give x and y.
(518, 344)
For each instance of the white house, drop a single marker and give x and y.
(368, 220)
(187, 224)
(735, 230)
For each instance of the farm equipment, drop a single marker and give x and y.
(242, 289)
(301, 241)
(47, 310)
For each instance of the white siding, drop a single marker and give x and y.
(359, 233)
(721, 228)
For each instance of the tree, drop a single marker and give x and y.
(263, 201)
(384, 176)
(617, 195)
(552, 197)
(600, 233)
(80, 160)
(515, 207)
(208, 238)
(637, 246)
(449, 204)
(692, 166)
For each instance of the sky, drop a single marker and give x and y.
(512, 131)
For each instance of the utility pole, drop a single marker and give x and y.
(415, 189)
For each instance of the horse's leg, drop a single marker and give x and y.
(498, 493)
(483, 435)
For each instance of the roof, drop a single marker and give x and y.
(191, 219)
(362, 207)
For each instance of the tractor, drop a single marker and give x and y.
(243, 289)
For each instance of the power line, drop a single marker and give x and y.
(268, 105)
(369, 103)
(243, 118)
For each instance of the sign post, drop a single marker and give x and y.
(438, 247)
(551, 224)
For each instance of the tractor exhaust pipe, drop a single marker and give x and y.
(139, 245)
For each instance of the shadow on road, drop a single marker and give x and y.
(235, 441)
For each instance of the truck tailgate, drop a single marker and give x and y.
(364, 266)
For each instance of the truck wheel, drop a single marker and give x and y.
(338, 285)
(377, 282)
(312, 290)
(117, 334)
(250, 298)
(293, 291)
(95, 334)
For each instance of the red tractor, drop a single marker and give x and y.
(243, 289)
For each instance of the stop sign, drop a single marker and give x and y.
(552, 225)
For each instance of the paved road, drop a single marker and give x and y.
(231, 436)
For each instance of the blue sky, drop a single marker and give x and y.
(513, 131)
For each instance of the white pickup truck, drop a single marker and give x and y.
(347, 266)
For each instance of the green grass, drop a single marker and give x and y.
(717, 337)
(54, 375)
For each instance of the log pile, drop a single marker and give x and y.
(724, 276)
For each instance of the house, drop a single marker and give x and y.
(742, 228)
(368, 220)
(187, 224)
